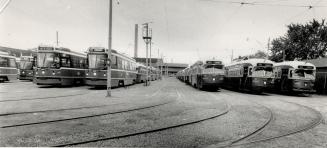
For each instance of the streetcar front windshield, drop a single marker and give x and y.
(214, 66)
(304, 73)
(263, 71)
(25, 65)
(97, 61)
(47, 60)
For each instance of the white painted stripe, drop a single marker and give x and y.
(48, 77)
(72, 68)
(65, 52)
(7, 74)
(8, 68)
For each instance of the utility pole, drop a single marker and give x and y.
(283, 54)
(136, 41)
(268, 47)
(109, 51)
(57, 38)
(232, 55)
(147, 37)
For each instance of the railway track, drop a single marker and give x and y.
(42, 98)
(88, 116)
(227, 109)
(268, 123)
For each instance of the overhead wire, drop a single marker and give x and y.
(265, 3)
(4, 6)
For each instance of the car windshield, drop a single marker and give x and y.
(47, 60)
(25, 64)
(303, 73)
(214, 66)
(97, 61)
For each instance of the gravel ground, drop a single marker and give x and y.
(184, 104)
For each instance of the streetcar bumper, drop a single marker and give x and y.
(47, 81)
(26, 75)
(303, 86)
(96, 82)
(261, 84)
(215, 80)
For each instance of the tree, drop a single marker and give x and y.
(301, 42)
(259, 54)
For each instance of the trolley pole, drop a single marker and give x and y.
(109, 51)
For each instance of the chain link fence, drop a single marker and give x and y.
(321, 82)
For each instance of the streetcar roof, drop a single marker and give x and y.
(252, 62)
(103, 50)
(6, 55)
(62, 50)
(294, 64)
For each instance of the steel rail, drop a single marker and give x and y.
(147, 131)
(311, 125)
(88, 116)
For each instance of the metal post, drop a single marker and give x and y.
(150, 58)
(147, 36)
(57, 37)
(147, 66)
(283, 54)
(136, 41)
(109, 51)
(325, 83)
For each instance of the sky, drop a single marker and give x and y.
(184, 31)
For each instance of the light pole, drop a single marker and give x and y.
(147, 36)
(109, 51)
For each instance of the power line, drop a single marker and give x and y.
(4, 6)
(265, 4)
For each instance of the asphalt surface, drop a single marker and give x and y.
(168, 113)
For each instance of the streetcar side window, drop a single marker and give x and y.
(12, 63)
(113, 61)
(3, 62)
(65, 61)
(120, 64)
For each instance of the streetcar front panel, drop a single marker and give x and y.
(302, 80)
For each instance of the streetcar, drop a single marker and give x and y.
(187, 75)
(26, 66)
(207, 74)
(180, 75)
(59, 66)
(154, 74)
(254, 75)
(8, 67)
(294, 76)
(123, 68)
(141, 73)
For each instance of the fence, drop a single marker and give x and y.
(321, 82)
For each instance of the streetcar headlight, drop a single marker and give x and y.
(95, 73)
(264, 82)
(43, 72)
(104, 75)
(214, 79)
(87, 74)
(23, 72)
(53, 73)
